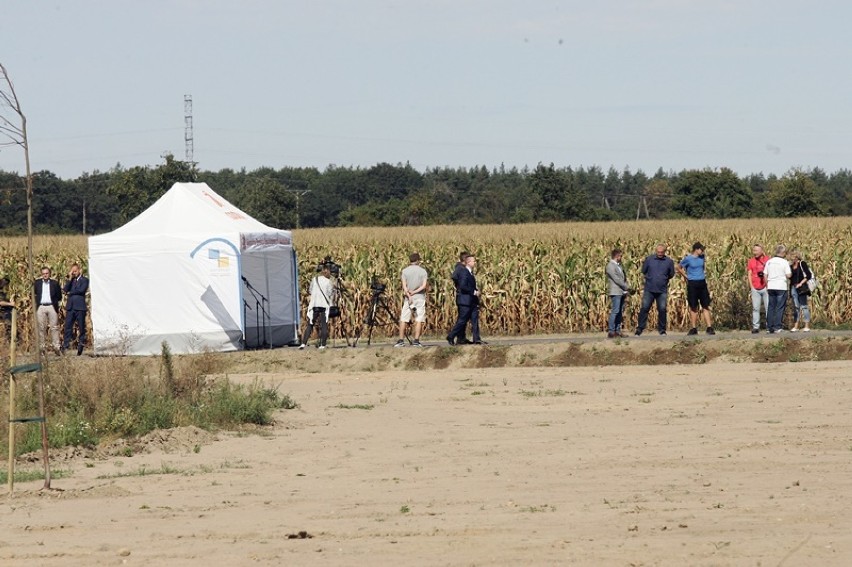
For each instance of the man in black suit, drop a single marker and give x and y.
(467, 301)
(457, 274)
(47, 297)
(75, 308)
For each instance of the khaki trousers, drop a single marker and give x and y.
(48, 319)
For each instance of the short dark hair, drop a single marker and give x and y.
(463, 256)
(615, 252)
(415, 257)
(697, 246)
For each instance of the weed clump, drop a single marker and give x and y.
(91, 401)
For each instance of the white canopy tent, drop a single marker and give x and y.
(196, 272)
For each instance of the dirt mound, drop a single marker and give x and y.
(176, 440)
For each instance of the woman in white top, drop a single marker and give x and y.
(322, 298)
(777, 272)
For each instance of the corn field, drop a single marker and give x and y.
(535, 278)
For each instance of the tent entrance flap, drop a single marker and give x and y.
(270, 313)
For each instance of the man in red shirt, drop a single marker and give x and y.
(757, 282)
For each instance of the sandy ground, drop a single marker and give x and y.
(713, 464)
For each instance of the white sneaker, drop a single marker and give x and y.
(321, 347)
(806, 330)
(302, 346)
(794, 330)
(399, 343)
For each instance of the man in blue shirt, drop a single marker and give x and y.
(658, 269)
(692, 270)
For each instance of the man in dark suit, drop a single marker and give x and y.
(457, 273)
(47, 297)
(75, 308)
(467, 301)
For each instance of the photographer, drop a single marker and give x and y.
(757, 282)
(415, 280)
(322, 299)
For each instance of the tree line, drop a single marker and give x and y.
(399, 195)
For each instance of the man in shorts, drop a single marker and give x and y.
(415, 280)
(692, 269)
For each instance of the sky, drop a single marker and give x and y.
(756, 86)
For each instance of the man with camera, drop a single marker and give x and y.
(319, 305)
(415, 281)
(757, 281)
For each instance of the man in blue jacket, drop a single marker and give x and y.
(75, 308)
(658, 270)
(467, 301)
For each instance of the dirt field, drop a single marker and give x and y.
(703, 464)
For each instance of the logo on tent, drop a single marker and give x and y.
(221, 261)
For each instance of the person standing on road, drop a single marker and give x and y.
(618, 293)
(778, 273)
(322, 295)
(48, 294)
(456, 276)
(692, 268)
(800, 291)
(75, 308)
(658, 270)
(467, 301)
(415, 280)
(757, 281)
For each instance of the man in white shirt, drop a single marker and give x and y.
(47, 296)
(777, 272)
(322, 298)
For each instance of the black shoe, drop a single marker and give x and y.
(479, 343)
(693, 331)
(638, 332)
(611, 335)
(79, 350)
(755, 331)
(450, 340)
(464, 341)
(710, 331)
(662, 333)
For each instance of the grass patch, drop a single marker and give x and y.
(92, 400)
(27, 476)
(165, 468)
(355, 406)
(540, 393)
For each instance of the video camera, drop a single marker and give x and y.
(376, 286)
(332, 266)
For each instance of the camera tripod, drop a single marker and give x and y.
(337, 327)
(376, 312)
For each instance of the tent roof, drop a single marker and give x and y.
(191, 208)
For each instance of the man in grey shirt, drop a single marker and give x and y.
(618, 292)
(415, 281)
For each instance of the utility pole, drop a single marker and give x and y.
(298, 193)
(189, 150)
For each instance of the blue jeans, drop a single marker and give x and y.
(775, 312)
(649, 297)
(616, 313)
(758, 296)
(800, 302)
